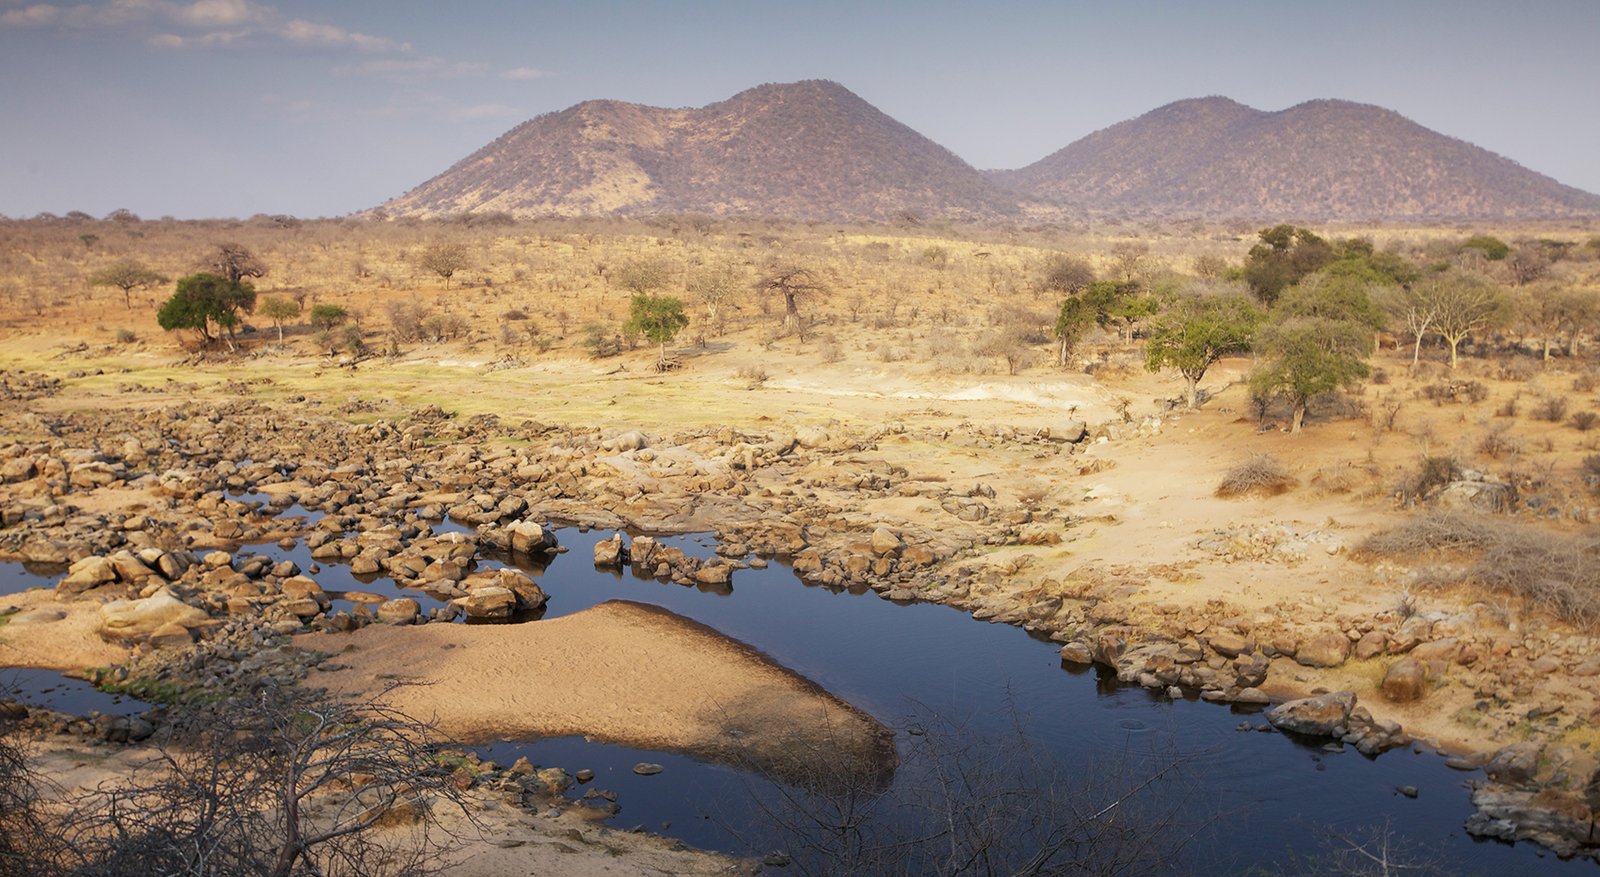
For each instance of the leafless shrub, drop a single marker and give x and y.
(406, 320)
(1464, 392)
(1552, 409)
(1508, 408)
(1517, 369)
(1555, 572)
(1432, 474)
(1586, 382)
(1261, 475)
(1583, 421)
(753, 375)
(1497, 442)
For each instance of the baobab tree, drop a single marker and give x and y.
(793, 283)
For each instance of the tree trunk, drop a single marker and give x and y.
(280, 333)
(1455, 344)
(1299, 418)
(1062, 357)
(1416, 352)
(1193, 391)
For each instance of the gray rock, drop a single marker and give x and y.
(1326, 715)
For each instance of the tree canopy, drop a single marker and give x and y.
(126, 275)
(656, 317)
(1285, 254)
(205, 299)
(1199, 330)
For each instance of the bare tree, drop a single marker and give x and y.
(1464, 304)
(1414, 308)
(443, 259)
(279, 785)
(1552, 311)
(234, 262)
(792, 283)
(714, 287)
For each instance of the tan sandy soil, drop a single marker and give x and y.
(35, 637)
(620, 672)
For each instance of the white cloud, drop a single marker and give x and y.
(200, 23)
(524, 73)
(37, 15)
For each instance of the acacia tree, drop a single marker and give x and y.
(443, 259)
(658, 318)
(203, 299)
(278, 308)
(1083, 311)
(126, 275)
(1465, 303)
(643, 276)
(234, 262)
(1197, 332)
(1285, 254)
(714, 287)
(1307, 357)
(1553, 311)
(792, 283)
(1412, 308)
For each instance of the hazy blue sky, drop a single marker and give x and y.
(236, 107)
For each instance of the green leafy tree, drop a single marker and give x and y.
(1285, 254)
(278, 308)
(1083, 311)
(325, 317)
(126, 275)
(656, 318)
(1131, 308)
(1492, 247)
(1197, 332)
(1307, 357)
(205, 299)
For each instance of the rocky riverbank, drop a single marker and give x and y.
(139, 504)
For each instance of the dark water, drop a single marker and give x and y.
(16, 577)
(1263, 794)
(1254, 798)
(53, 690)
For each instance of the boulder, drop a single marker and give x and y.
(1326, 715)
(90, 572)
(884, 541)
(1406, 680)
(1323, 650)
(401, 611)
(528, 537)
(643, 551)
(488, 604)
(132, 620)
(1475, 495)
(1228, 644)
(610, 553)
(171, 636)
(714, 574)
(1515, 765)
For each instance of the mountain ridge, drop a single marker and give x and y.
(814, 150)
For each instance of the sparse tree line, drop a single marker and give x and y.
(1309, 310)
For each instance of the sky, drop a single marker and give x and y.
(214, 108)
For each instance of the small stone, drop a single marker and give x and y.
(647, 769)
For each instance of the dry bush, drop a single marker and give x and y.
(1433, 473)
(1464, 392)
(1552, 409)
(1261, 475)
(1583, 421)
(1552, 571)
(1340, 477)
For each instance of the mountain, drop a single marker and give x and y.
(1324, 159)
(805, 150)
